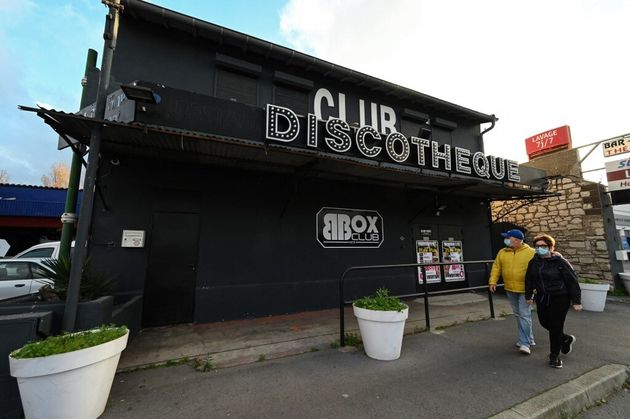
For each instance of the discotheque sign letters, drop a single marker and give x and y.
(335, 135)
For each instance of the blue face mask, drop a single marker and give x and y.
(507, 242)
(542, 251)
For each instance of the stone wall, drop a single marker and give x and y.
(575, 217)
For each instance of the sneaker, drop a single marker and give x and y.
(555, 361)
(518, 344)
(524, 350)
(567, 345)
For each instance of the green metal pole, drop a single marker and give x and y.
(69, 216)
(80, 252)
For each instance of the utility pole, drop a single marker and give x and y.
(89, 187)
(69, 216)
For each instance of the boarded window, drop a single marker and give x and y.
(291, 97)
(411, 128)
(236, 87)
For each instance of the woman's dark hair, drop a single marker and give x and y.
(550, 241)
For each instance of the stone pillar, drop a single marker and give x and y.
(580, 218)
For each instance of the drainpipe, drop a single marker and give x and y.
(69, 217)
(494, 120)
(488, 201)
(87, 202)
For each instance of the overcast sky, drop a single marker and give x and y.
(537, 65)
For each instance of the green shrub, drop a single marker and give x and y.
(590, 281)
(69, 342)
(381, 301)
(93, 284)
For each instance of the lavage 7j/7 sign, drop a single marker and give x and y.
(344, 228)
(364, 142)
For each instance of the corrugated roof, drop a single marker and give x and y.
(32, 201)
(164, 142)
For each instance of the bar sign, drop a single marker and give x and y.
(616, 146)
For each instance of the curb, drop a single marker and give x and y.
(573, 397)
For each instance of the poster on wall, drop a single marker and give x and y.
(427, 251)
(452, 252)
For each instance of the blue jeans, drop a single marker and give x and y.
(523, 313)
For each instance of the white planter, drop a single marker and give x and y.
(69, 385)
(381, 332)
(594, 296)
(625, 276)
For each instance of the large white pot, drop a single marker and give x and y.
(69, 385)
(381, 332)
(625, 276)
(594, 296)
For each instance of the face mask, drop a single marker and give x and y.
(542, 251)
(507, 242)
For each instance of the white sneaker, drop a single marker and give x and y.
(524, 350)
(518, 344)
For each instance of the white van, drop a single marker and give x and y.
(49, 250)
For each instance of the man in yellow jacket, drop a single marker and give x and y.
(511, 264)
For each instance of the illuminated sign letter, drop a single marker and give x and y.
(276, 114)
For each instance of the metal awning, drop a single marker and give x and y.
(205, 148)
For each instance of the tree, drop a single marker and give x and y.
(4, 176)
(59, 175)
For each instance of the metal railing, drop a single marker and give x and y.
(425, 294)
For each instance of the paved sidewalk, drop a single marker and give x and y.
(471, 370)
(240, 342)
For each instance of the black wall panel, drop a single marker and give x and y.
(258, 252)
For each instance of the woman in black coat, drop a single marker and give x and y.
(552, 282)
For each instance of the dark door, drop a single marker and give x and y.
(169, 290)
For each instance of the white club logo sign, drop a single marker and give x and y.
(349, 228)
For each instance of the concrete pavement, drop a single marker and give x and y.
(240, 342)
(469, 370)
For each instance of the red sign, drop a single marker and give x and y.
(548, 141)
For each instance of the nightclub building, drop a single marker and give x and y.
(250, 176)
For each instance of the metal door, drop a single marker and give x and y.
(169, 291)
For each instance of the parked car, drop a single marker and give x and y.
(48, 250)
(20, 277)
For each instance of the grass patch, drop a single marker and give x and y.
(203, 365)
(313, 349)
(352, 339)
(69, 342)
(618, 292)
(334, 345)
(261, 358)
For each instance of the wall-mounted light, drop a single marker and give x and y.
(140, 93)
(439, 207)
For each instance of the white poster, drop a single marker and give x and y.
(452, 252)
(427, 251)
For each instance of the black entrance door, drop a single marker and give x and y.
(169, 290)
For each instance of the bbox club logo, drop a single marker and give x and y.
(341, 227)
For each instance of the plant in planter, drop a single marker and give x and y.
(68, 376)
(381, 320)
(593, 294)
(93, 284)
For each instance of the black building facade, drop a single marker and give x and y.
(262, 173)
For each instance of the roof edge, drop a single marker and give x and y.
(157, 14)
